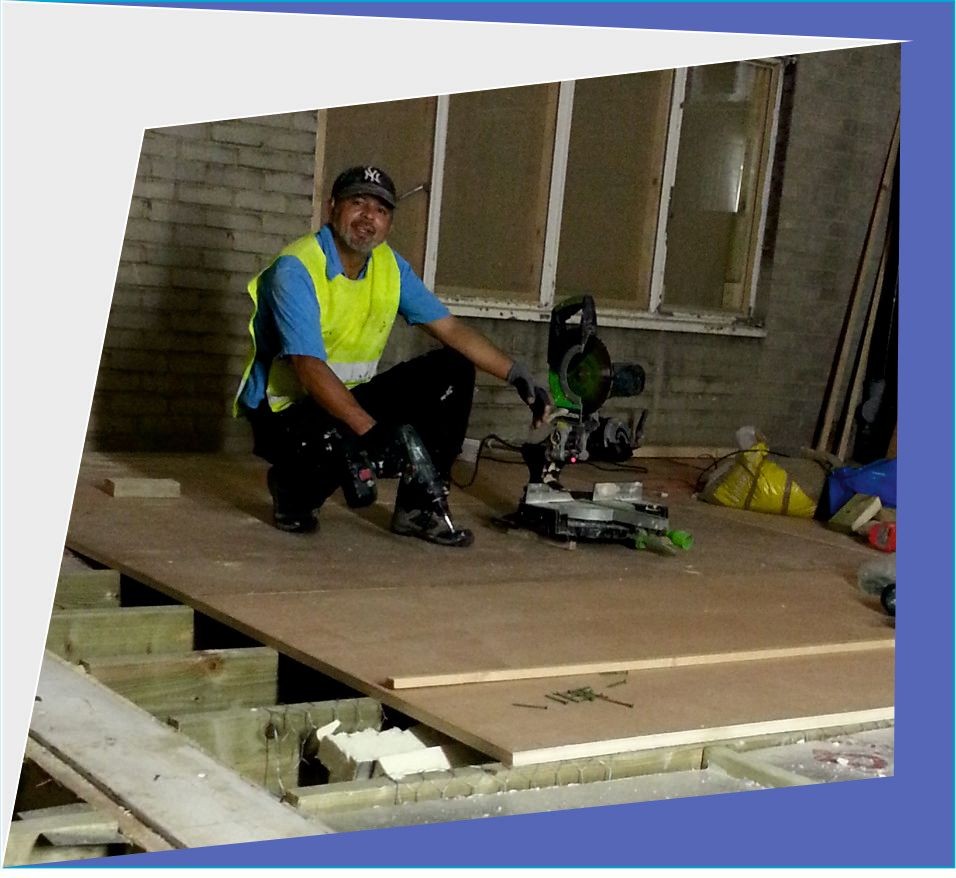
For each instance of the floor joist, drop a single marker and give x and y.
(180, 793)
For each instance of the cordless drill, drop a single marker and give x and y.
(357, 472)
(420, 472)
(403, 455)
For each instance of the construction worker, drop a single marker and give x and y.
(323, 310)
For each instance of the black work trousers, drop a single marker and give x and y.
(432, 393)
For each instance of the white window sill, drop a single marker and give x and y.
(702, 324)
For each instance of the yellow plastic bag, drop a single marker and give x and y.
(756, 483)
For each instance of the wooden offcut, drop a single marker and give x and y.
(855, 513)
(136, 487)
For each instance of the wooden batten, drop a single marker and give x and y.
(678, 661)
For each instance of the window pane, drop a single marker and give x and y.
(612, 189)
(496, 185)
(715, 203)
(398, 137)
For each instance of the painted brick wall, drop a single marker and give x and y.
(214, 202)
(211, 203)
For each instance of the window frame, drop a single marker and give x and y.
(658, 316)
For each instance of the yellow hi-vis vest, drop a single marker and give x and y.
(357, 317)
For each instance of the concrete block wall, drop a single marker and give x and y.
(211, 204)
(214, 202)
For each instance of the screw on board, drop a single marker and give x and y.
(613, 700)
(584, 693)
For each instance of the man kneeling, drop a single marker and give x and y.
(322, 313)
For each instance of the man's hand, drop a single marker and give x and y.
(384, 449)
(533, 394)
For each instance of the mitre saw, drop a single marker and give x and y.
(582, 378)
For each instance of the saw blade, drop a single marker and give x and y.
(588, 375)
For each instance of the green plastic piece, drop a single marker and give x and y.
(561, 401)
(681, 538)
(664, 545)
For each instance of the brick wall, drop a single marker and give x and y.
(214, 202)
(701, 388)
(211, 202)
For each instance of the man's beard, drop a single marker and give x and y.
(359, 245)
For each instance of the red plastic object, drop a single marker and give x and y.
(882, 536)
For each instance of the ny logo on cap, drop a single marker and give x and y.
(372, 176)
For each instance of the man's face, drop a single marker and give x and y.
(361, 221)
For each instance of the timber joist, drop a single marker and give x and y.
(144, 728)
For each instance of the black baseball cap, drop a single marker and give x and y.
(365, 180)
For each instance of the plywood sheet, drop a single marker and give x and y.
(216, 538)
(395, 632)
(363, 605)
(452, 627)
(674, 707)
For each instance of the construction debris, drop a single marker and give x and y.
(393, 752)
(855, 514)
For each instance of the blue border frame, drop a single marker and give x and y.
(906, 820)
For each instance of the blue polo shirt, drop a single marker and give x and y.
(288, 321)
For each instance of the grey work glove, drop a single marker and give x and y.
(532, 394)
(384, 448)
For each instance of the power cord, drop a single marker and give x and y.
(618, 467)
(491, 437)
(504, 444)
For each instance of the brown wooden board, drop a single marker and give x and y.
(217, 538)
(672, 708)
(363, 605)
(379, 634)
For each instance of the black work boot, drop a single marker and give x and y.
(417, 516)
(290, 513)
(428, 525)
